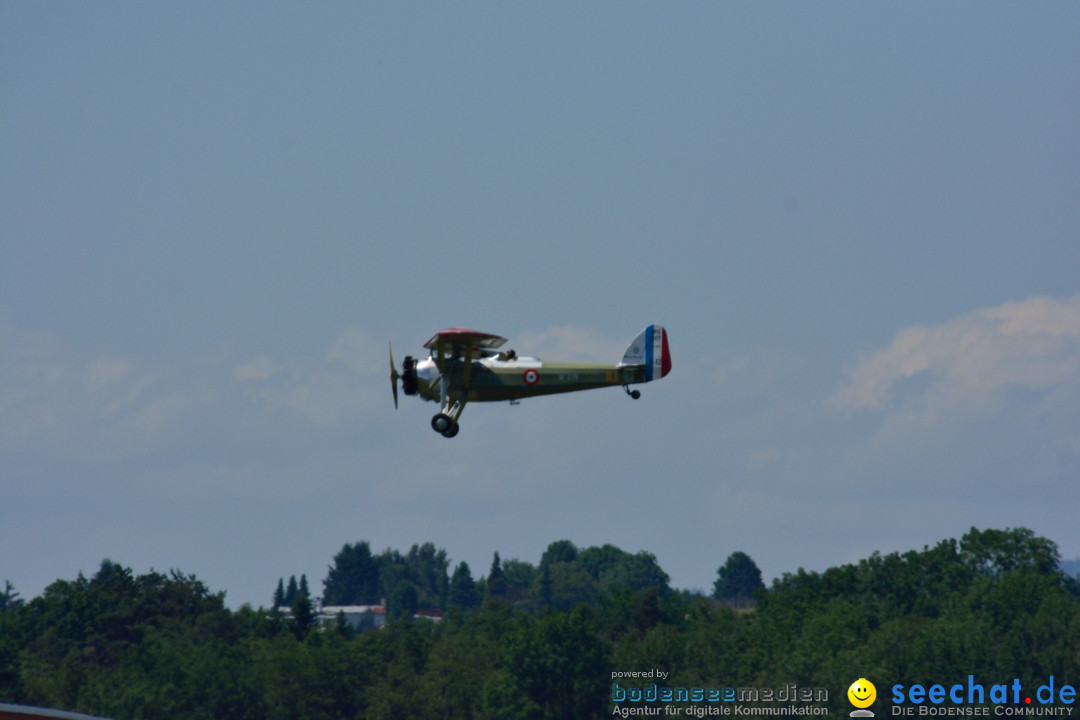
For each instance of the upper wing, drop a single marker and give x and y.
(460, 339)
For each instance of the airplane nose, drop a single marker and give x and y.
(409, 383)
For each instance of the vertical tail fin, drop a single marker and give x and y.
(650, 348)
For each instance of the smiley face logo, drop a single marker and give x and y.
(862, 693)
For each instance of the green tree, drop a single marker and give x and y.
(639, 571)
(496, 586)
(544, 589)
(559, 661)
(11, 642)
(279, 594)
(502, 697)
(394, 570)
(570, 585)
(404, 600)
(162, 645)
(992, 552)
(428, 570)
(559, 551)
(520, 580)
(118, 642)
(736, 581)
(9, 598)
(303, 616)
(597, 560)
(463, 592)
(353, 579)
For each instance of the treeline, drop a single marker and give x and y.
(991, 604)
(567, 576)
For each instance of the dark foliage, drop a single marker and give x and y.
(151, 646)
(737, 580)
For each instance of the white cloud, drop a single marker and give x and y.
(261, 368)
(354, 349)
(334, 389)
(308, 392)
(60, 406)
(1039, 315)
(63, 406)
(1033, 345)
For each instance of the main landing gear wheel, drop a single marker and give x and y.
(441, 423)
(444, 425)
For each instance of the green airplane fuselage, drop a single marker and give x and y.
(493, 380)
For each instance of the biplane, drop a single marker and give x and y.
(466, 366)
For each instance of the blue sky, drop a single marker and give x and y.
(858, 222)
